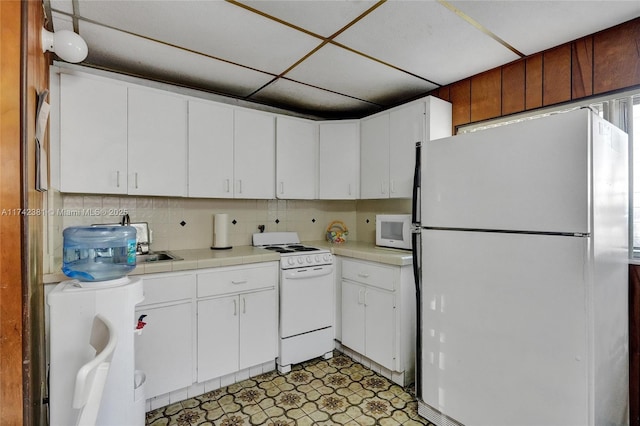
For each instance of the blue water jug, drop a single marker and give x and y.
(98, 253)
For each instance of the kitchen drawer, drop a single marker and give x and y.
(167, 287)
(369, 273)
(235, 279)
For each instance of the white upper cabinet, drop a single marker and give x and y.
(406, 128)
(374, 156)
(93, 135)
(210, 150)
(122, 138)
(339, 160)
(254, 154)
(296, 158)
(157, 143)
(395, 134)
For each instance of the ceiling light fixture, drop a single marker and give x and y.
(68, 45)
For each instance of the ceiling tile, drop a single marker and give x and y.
(310, 100)
(533, 26)
(321, 17)
(216, 28)
(334, 68)
(115, 50)
(427, 39)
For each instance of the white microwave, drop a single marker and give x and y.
(393, 230)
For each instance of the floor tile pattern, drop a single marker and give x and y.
(338, 391)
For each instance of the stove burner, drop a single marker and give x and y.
(279, 249)
(296, 247)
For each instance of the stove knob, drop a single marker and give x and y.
(317, 258)
(308, 259)
(326, 257)
(300, 260)
(290, 261)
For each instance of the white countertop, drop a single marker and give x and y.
(208, 258)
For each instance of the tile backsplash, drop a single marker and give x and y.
(187, 223)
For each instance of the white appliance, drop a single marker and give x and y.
(393, 230)
(306, 298)
(73, 305)
(522, 275)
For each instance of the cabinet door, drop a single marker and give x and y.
(374, 157)
(258, 328)
(339, 161)
(157, 143)
(210, 150)
(93, 135)
(218, 331)
(296, 158)
(164, 349)
(406, 127)
(380, 330)
(254, 154)
(353, 319)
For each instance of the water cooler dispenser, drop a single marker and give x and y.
(99, 259)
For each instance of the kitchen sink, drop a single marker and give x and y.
(156, 256)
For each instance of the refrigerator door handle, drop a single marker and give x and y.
(415, 205)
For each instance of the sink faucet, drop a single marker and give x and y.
(125, 220)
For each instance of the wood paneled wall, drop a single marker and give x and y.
(597, 64)
(24, 71)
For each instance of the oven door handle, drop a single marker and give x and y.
(311, 272)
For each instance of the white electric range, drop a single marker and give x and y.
(306, 295)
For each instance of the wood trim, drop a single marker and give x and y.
(35, 79)
(11, 385)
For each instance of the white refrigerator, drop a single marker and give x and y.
(522, 249)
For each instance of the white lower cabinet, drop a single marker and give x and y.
(378, 314)
(237, 318)
(164, 348)
(236, 332)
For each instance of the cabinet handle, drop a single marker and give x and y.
(360, 298)
(239, 186)
(349, 189)
(227, 184)
(238, 282)
(136, 179)
(365, 297)
(392, 186)
(281, 187)
(235, 307)
(244, 305)
(363, 275)
(117, 178)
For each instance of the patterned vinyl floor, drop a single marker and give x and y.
(338, 391)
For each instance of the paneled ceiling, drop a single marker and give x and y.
(326, 59)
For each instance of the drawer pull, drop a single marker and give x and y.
(238, 282)
(363, 275)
